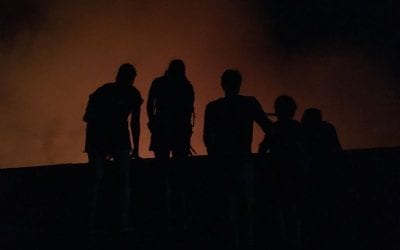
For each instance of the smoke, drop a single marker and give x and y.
(53, 54)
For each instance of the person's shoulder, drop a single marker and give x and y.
(189, 85)
(287, 123)
(135, 93)
(159, 79)
(328, 126)
(248, 99)
(215, 103)
(295, 122)
(106, 87)
(157, 83)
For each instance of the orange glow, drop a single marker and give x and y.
(48, 74)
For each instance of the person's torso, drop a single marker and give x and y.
(233, 125)
(173, 102)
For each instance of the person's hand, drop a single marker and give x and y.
(135, 154)
(150, 125)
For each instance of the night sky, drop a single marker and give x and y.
(339, 56)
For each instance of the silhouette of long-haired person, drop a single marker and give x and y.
(110, 111)
(285, 146)
(170, 109)
(323, 157)
(228, 135)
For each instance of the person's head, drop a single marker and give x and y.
(231, 81)
(285, 107)
(176, 68)
(311, 116)
(126, 74)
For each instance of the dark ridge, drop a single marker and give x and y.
(46, 207)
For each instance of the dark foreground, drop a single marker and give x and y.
(355, 206)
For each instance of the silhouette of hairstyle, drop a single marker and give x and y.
(285, 107)
(176, 68)
(126, 73)
(311, 115)
(231, 81)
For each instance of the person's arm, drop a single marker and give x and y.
(264, 145)
(191, 113)
(90, 109)
(135, 130)
(261, 118)
(86, 116)
(150, 105)
(208, 134)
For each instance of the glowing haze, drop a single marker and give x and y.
(54, 54)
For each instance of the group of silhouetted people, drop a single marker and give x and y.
(113, 131)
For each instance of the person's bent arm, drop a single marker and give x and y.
(135, 131)
(150, 103)
(261, 117)
(208, 134)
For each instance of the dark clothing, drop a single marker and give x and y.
(107, 117)
(285, 145)
(228, 134)
(321, 140)
(324, 159)
(170, 108)
(228, 125)
(285, 139)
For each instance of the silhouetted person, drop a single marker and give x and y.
(285, 146)
(107, 134)
(170, 110)
(323, 153)
(228, 134)
(321, 139)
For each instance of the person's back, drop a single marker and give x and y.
(285, 142)
(285, 139)
(321, 139)
(108, 134)
(229, 125)
(227, 134)
(173, 102)
(107, 117)
(170, 108)
(228, 122)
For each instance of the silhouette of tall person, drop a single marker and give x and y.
(107, 134)
(170, 108)
(228, 135)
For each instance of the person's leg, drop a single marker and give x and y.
(97, 164)
(180, 146)
(122, 160)
(161, 154)
(246, 203)
(180, 154)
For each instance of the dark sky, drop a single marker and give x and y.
(339, 56)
